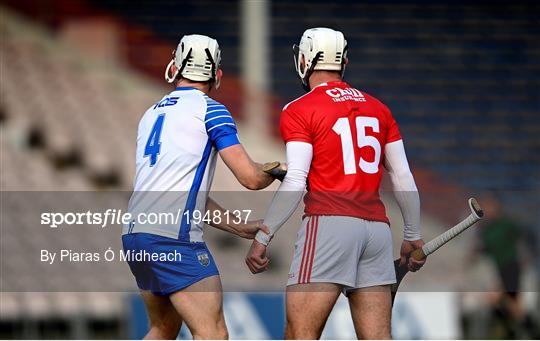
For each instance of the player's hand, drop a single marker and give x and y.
(275, 169)
(406, 248)
(250, 229)
(256, 259)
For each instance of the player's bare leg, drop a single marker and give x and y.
(308, 307)
(165, 322)
(371, 310)
(201, 307)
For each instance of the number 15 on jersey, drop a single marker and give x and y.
(343, 129)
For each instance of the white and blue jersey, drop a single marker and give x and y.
(177, 143)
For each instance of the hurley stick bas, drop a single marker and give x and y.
(476, 214)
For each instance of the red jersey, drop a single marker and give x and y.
(348, 130)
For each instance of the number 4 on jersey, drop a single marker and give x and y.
(153, 145)
(343, 129)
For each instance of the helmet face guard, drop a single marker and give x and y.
(168, 77)
(304, 74)
(296, 56)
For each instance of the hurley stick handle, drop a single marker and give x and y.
(476, 214)
(418, 254)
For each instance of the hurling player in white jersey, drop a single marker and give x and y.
(178, 140)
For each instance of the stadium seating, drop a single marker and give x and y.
(79, 107)
(453, 74)
(59, 132)
(461, 79)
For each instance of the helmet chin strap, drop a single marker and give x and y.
(305, 80)
(178, 70)
(343, 56)
(214, 80)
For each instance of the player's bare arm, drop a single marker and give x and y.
(247, 229)
(249, 173)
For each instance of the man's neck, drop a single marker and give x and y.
(320, 77)
(204, 87)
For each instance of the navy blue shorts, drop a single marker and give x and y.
(176, 265)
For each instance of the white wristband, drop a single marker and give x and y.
(263, 238)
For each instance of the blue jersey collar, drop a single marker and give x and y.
(183, 88)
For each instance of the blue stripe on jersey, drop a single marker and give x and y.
(185, 227)
(216, 106)
(213, 112)
(222, 117)
(226, 141)
(220, 125)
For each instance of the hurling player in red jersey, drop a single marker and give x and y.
(338, 140)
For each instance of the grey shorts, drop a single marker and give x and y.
(352, 252)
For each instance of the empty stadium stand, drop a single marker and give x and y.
(79, 112)
(462, 79)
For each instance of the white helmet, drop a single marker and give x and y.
(322, 49)
(197, 58)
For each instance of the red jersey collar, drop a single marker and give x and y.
(333, 83)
